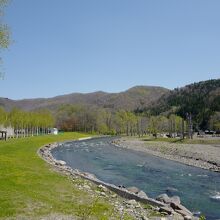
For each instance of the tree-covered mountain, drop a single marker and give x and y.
(136, 97)
(201, 99)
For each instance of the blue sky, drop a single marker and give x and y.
(65, 46)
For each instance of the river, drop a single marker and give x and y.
(198, 189)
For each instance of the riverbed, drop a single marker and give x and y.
(198, 189)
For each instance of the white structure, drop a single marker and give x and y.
(9, 130)
(54, 131)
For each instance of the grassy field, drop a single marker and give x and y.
(30, 188)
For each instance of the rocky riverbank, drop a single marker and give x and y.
(131, 200)
(202, 156)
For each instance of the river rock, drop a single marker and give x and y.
(144, 218)
(142, 194)
(60, 162)
(163, 198)
(86, 187)
(180, 209)
(175, 199)
(133, 189)
(171, 190)
(89, 175)
(166, 209)
(102, 194)
(131, 202)
(183, 213)
(103, 188)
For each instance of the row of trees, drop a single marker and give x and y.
(93, 119)
(27, 123)
(214, 122)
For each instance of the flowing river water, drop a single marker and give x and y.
(198, 189)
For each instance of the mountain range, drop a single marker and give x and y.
(131, 99)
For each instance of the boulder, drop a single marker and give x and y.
(180, 209)
(86, 187)
(184, 213)
(144, 218)
(163, 198)
(131, 202)
(60, 162)
(166, 209)
(102, 194)
(89, 175)
(175, 199)
(142, 194)
(102, 188)
(171, 190)
(133, 189)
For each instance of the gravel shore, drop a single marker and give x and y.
(198, 155)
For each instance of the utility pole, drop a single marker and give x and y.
(190, 126)
(183, 129)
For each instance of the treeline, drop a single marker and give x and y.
(27, 123)
(93, 119)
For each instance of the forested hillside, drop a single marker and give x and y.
(201, 99)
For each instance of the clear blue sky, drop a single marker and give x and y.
(65, 46)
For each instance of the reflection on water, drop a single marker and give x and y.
(198, 189)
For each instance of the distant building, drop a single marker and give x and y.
(9, 130)
(54, 131)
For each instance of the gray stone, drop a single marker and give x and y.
(102, 194)
(165, 209)
(187, 217)
(182, 212)
(163, 198)
(103, 188)
(142, 194)
(171, 189)
(175, 199)
(180, 209)
(131, 202)
(144, 218)
(89, 175)
(133, 189)
(60, 162)
(86, 187)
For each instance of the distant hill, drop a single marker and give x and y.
(136, 97)
(201, 99)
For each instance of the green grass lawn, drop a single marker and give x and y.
(29, 187)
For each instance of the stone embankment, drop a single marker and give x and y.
(198, 155)
(136, 202)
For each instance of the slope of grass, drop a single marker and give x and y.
(30, 188)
